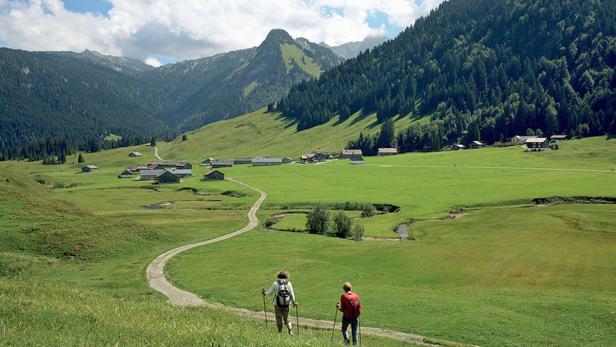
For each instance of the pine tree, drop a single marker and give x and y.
(81, 159)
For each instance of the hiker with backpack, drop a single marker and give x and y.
(351, 309)
(283, 298)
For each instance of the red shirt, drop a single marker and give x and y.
(350, 305)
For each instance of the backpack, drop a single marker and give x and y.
(283, 297)
(354, 309)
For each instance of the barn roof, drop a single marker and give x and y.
(537, 140)
(388, 150)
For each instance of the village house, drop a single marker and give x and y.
(149, 175)
(126, 174)
(539, 144)
(348, 153)
(266, 161)
(559, 138)
(213, 175)
(168, 177)
(242, 161)
(476, 144)
(314, 157)
(217, 163)
(169, 164)
(182, 173)
(89, 168)
(382, 152)
(520, 140)
(458, 147)
(357, 159)
(134, 154)
(207, 162)
(136, 168)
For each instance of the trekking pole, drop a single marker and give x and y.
(359, 328)
(334, 328)
(297, 318)
(264, 311)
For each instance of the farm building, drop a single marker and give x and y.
(559, 138)
(134, 154)
(266, 161)
(458, 147)
(348, 153)
(169, 164)
(314, 157)
(168, 177)
(287, 160)
(207, 162)
(221, 163)
(136, 168)
(213, 175)
(387, 151)
(520, 140)
(126, 174)
(476, 144)
(182, 173)
(149, 175)
(537, 145)
(89, 168)
(241, 161)
(357, 159)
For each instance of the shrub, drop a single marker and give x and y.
(341, 225)
(368, 211)
(317, 221)
(358, 232)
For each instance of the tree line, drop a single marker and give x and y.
(478, 70)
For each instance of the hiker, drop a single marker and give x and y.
(283, 297)
(350, 306)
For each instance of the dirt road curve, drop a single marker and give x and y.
(157, 281)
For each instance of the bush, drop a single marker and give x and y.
(368, 211)
(341, 225)
(317, 221)
(358, 232)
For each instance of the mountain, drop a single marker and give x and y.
(206, 90)
(49, 101)
(52, 102)
(119, 64)
(479, 70)
(352, 49)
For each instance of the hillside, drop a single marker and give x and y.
(52, 102)
(484, 70)
(202, 91)
(263, 133)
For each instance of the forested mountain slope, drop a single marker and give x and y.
(52, 103)
(494, 67)
(205, 90)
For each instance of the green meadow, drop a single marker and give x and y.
(74, 246)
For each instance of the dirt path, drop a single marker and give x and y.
(156, 280)
(156, 153)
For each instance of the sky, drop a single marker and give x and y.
(165, 31)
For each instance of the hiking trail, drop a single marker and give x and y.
(156, 280)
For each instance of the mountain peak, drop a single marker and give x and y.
(278, 36)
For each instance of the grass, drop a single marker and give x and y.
(502, 276)
(73, 248)
(72, 264)
(262, 133)
(293, 55)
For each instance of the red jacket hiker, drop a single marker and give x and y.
(350, 305)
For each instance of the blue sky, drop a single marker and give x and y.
(164, 31)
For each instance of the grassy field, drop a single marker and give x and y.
(506, 273)
(72, 263)
(262, 133)
(502, 276)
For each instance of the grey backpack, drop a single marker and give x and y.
(283, 298)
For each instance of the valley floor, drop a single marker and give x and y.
(511, 271)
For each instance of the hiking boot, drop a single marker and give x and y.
(347, 342)
(290, 332)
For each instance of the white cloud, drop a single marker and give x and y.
(194, 28)
(153, 62)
